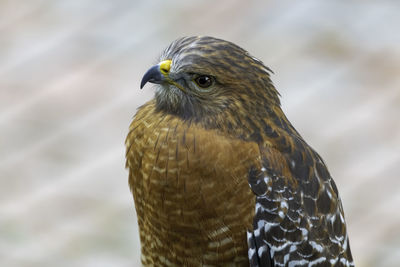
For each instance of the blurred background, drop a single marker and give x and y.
(69, 87)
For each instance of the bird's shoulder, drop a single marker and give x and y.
(298, 215)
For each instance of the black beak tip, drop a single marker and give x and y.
(142, 83)
(153, 75)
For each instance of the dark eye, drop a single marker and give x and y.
(204, 81)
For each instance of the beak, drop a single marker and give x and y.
(157, 74)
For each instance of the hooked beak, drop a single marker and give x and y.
(157, 74)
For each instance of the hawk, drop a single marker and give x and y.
(219, 175)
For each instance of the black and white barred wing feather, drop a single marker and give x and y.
(299, 219)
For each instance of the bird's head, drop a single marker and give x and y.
(199, 78)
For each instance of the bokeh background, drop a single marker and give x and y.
(69, 86)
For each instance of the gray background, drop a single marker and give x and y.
(69, 86)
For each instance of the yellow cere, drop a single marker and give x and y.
(165, 66)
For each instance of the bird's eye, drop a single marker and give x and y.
(204, 81)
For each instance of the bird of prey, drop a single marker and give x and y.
(219, 175)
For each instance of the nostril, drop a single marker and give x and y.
(165, 66)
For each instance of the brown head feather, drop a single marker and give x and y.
(242, 95)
